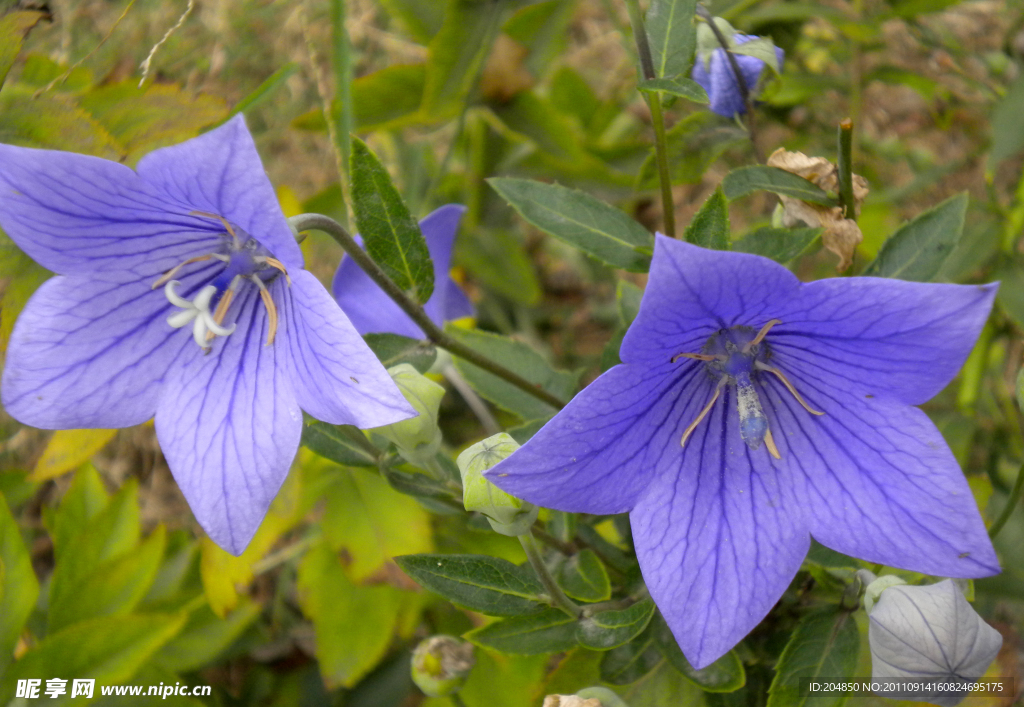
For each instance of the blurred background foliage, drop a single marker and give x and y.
(103, 570)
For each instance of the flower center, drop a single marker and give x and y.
(733, 356)
(245, 261)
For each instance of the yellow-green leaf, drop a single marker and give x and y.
(69, 449)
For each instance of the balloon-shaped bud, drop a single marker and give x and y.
(441, 664)
(876, 587)
(507, 514)
(417, 438)
(929, 634)
(588, 697)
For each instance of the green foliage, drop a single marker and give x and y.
(680, 86)
(747, 180)
(18, 585)
(583, 577)
(917, 250)
(710, 226)
(824, 644)
(672, 35)
(489, 585)
(548, 631)
(393, 349)
(780, 244)
(609, 629)
(13, 28)
(339, 444)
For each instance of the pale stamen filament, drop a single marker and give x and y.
(174, 271)
(789, 386)
(222, 310)
(699, 357)
(703, 413)
(769, 443)
(216, 217)
(268, 302)
(760, 335)
(275, 263)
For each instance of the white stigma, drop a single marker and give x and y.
(196, 311)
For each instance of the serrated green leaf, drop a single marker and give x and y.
(13, 28)
(710, 226)
(392, 236)
(679, 86)
(520, 359)
(19, 587)
(762, 48)
(629, 662)
(724, 675)
(393, 349)
(780, 244)
(204, 637)
(579, 219)
(109, 649)
(53, 121)
(825, 644)
(609, 629)
(583, 577)
(918, 248)
(489, 585)
(110, 588)
(549, 631)
(334, 443)
(672, 35)
(747, 180)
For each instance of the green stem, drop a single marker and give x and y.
(456, 700)
(845, 164)
(555, 593)
(1011, 505)
(643, 49)
(305, 222)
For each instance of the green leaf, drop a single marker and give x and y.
(498, 261)
(520, 359)
(1007, 137)
(825, 644)
(679, 86)
(489, 585)
(204, 637)
(780, 244)
(84, 499)
(609, 629)
(917, 249)
(581, 220)
(662, 687)
(693, 144)
(53, 121)
(747, 180)
(710, 225)
(353, 624)
(627, 300)
(672, 35)
(19, 587)
(724, 675)
(372, 522)
(109, 649)
(583, 577)
(393, 349)
(629, 662)
(421, 486)
(549, 631)
(267, 87)
(455, 55)
(422, 18)
(335, 442)
(68, 449)
(392, 236)
(109, 588)
(13, 28)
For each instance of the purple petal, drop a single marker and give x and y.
(91, 353)
(602, 451)
(220, 172)
(693, 292)
(372, 311)
(336, 377)
(875, 480)
(716, 535)
(873, 336)
(74, 213)
(229, 424)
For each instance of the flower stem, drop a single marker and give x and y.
(555, 593)
(305, 222)
(845, 163)
(643, 49)
(1011, 505)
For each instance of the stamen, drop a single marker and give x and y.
(699, 357)
(221, 311)
(180, 319)
(268, 302)
(174, 271)
(703, 413)
(760, 335)
(769, 443)
(275, 263)
(227, 226)
(789, 386)
(173, 297)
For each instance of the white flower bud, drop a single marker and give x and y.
(441, 664)
(929, 633)
(417, 438)
(507, 514)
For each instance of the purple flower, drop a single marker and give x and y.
(720, 82)
(180, 293)
(372, 311)
(794, 406)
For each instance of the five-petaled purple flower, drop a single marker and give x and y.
(719, 81)
(180, 293)
(794, 406)
(372, 311)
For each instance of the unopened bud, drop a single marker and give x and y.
(507, 514)
(441, 664)
(417, 438)
(588, 697)
(931, 634)
(876, 587)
